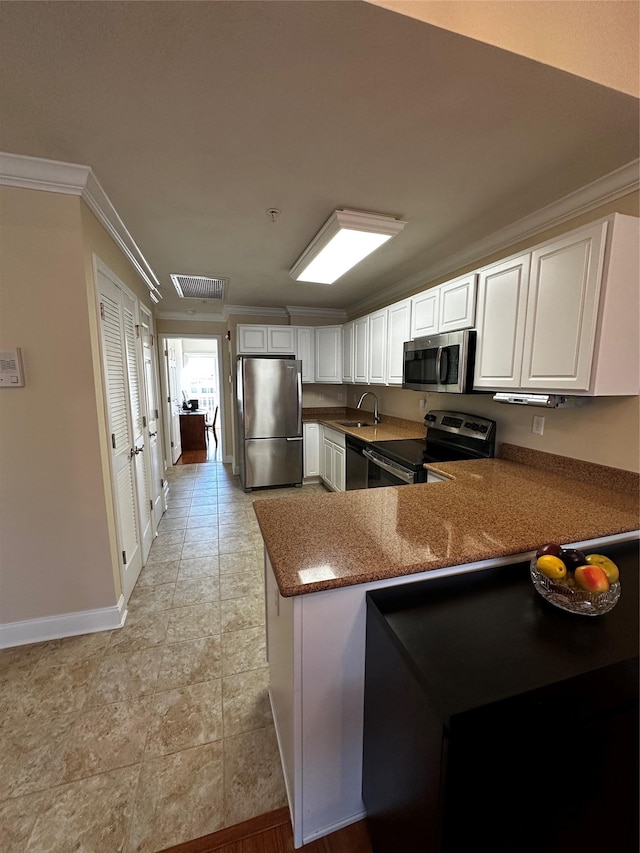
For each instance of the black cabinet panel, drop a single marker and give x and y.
(496, 722)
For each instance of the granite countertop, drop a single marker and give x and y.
(389, 429)
(486, 509)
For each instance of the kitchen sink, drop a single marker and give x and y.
(355, 423)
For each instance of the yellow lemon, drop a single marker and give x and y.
(608, 566)
(551, 567)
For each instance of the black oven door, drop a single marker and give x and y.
(384, 472)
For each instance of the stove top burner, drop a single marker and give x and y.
(451, 436)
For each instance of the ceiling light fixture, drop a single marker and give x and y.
(344, 240)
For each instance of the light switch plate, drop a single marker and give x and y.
(11, 372)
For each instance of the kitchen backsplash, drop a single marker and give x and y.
(603, 430)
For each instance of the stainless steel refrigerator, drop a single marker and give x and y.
(269, 400)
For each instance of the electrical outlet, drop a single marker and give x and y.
(423, 405)
(339, 398)
(538, 425)
(321, 397)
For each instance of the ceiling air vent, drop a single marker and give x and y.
(199, 286)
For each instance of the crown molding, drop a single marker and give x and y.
(230, 310)
(198, 318)
(606, 189)
(223, 317)
(303, 311)
(34, 173)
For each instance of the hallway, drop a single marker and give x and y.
(160, 732)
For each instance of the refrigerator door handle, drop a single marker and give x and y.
(297, 438)
(299, 384)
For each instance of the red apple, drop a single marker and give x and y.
(591, 578)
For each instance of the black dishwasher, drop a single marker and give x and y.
(356, 466)
(496, 722)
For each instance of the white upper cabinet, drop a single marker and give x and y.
(252, 339)
(425, 310)
(281, 339)
(398, 331)
(377, 361)
(562, 309)
(329, 354)
(457, 304)
(261, 340)
(306, 352)
(361, 350)
(502, 302)
(448, 307)
(564, 317)
(347, 352)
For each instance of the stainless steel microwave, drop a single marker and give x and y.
(440, 363)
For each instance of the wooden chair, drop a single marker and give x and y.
(210, 424)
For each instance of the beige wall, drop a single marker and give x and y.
(55, 553)
(597, 40)
(605, 430)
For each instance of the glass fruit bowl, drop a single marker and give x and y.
(573, 599)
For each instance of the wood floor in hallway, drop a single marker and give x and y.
(271, 833)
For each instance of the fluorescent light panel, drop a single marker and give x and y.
(345, 239)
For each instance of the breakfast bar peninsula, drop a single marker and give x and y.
(323, 553)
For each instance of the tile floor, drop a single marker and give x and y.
(159, 732)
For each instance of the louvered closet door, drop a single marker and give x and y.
(138, 424)
(121, 432)
(154, 456)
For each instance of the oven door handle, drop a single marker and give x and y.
(407, 476)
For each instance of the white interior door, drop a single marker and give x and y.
(174, 402)
(112, 327)
(154, 455)
(138, 421)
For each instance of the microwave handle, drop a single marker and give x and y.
(438, 360)
(443, 352)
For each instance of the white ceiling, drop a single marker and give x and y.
(198, 117)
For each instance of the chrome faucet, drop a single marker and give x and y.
(376, 416)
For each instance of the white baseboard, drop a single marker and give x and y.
(64, 625)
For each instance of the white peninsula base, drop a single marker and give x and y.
(316, 654)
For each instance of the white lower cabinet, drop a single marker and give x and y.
(333, 459)
(311, 444)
